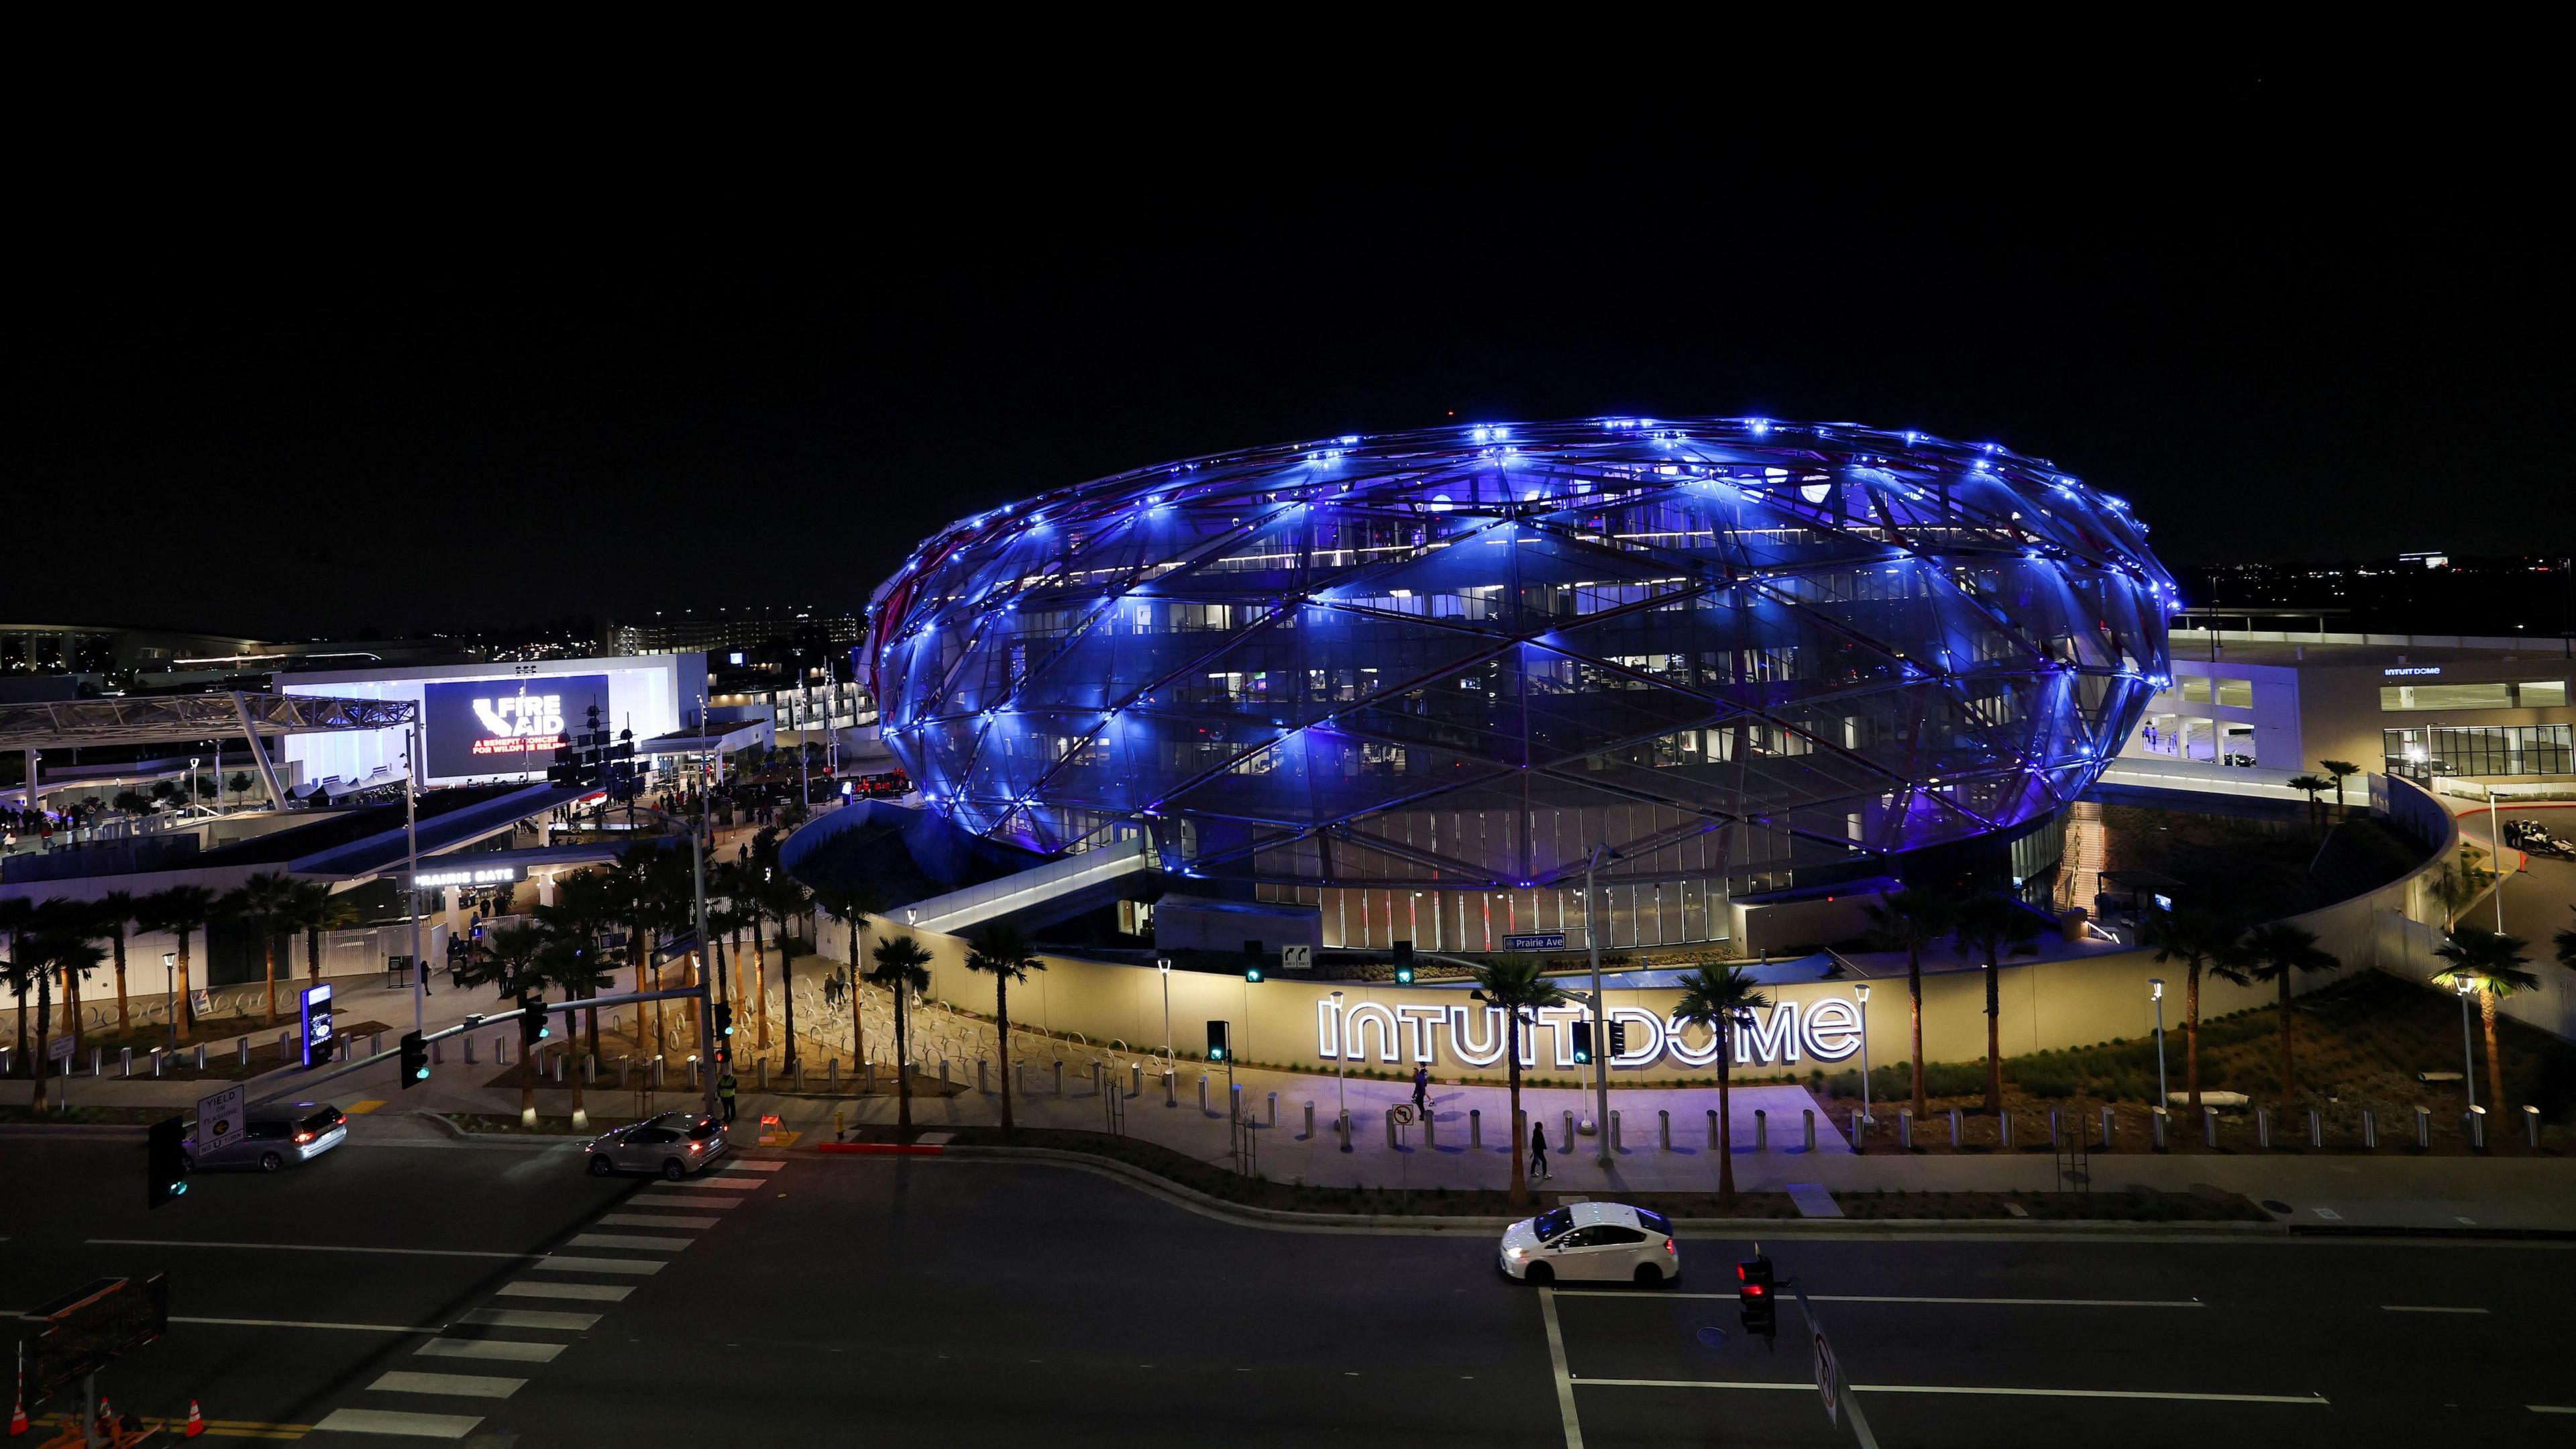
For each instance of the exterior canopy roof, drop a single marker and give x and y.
(1463, 656)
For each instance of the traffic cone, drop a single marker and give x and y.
(196, 1421)
(18, 1419)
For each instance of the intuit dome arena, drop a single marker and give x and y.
(1414, 679)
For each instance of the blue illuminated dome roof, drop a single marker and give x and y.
(1732, 649)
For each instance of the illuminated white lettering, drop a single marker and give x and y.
(1464, 1044)
(1832, 1029)
(1775, 1040)
(1645, 1036)
(1418, 1021)
(1355, 1022)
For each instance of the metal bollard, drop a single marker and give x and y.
(1171, 1087)
(559, 1067)
(2423, 1129)
(1234, 1102)
(1430, 1130)
(2003, 1130)
(2369, 1129)
(1135, 1079)
(97, 1057)
(1954, 1128)
(657, 1074)
(696, 1083)
(1310, 1123)
(1614, 1129)
(500, 1051)
(1059, 1076)
(1761, 1130)
(468, 1039)
(868, 1078)
(1476, 1127)
(158, 1057)
(1342, 1125)
(1712, 1129)
(1272, 1115)
(1203, 1106)
(2263, 1127)
(2209, 1125)
(2109, 1121)
(759, 1074)
(1390, 1127)
(201, 1050)
(2162, 1120)
(1663, 1130)
(983, 1076)
(590, 1069)
(244, 1047)
(2475, 1121)
(1810, 1114)
(2531, 1127)
(2056, 1130)
(831, 1074)
(1905, 1128)
(2316, 1128)
(437, 1051)
(1099, 1086)
(125, 1061)
(1568, 1138)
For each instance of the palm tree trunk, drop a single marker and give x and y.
(1002, 1014)
(1725, 1119)
(760, 979)
(1994, 1036)
(580, 1106)
(186, 1006)
(1520, 1132)
(312, 957)
(2289, 1072)
(71, 1004)
(122, 1025)
(902, 1068)
(2495, 1063)
(858, 1044)
(268, 959)
(787, 990)
(1914, 997)
(2191, 1038)
(44, 1029)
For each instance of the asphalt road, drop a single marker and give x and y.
(843, 1300)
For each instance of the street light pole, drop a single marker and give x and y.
(2495, 837)
(1861, 994)
(1164, 965)
(170, 989)
(1600, 1012)
(411, 852)
(2468, 1050)
(2156, 990)
(1341, 1095)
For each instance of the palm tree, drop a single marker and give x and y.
(2341, 770)
(115, 911)
(181, 910)
(783, 899)
(507, 960)
(65, 946)
(2565, 941)
(265, 904)
(1002, 953)
(2459, 884)
(565, 963)
(1514, 984)
(1908, 921)
(854, 902)
(899, 969)
(18, 923)
(2489, 963)
(318, 909)
(1721, 998)
(1992, 927)
(2314, 785)
(584, 906)
(630, 882)
(240, 783)
(2198, 938)
(2276, 951)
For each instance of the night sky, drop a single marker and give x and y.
(288, 399)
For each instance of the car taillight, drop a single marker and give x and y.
(697, 1147)
(1668, 1245)
(303, 1136)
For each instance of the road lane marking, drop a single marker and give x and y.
(751, 1164)
(594, 1292)
(303, 1248)
(685, 1202)
(561, 1264)
(395, 1421)
(295, 1323)
(513, 1350)
(463, 1386)
(2315, 1400)
(1564, 1379)
(1653, 1295)
(627, 1240)
(710, 1184)
(528, 1318)
(2424, 1308)
(654, 1220)
(2551, 1408)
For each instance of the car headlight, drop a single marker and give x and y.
(1516, 1254)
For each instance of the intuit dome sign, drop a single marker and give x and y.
(1471, 1035)
(503, 726)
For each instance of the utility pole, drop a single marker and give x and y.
(411, 850)
(708, 1066)
(1600, 1009)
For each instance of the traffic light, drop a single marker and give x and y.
(1753, 1296)
(415, 1060)
(165, 1162)
(533, 1026)
(1618, 1040)
(1217, 1044)
(724, 1019)
(1582, 1043)
(1404, 963)
(1252, 972)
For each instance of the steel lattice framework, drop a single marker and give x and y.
(1464, 656)
(179, 718)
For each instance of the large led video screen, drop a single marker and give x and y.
(504, 726)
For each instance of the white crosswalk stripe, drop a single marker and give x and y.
(464, 1386)
(536, 1288)
(626, 1240)
(528, 1318)
(504, 1349)
(687, 1201)
(654, 1220)
(750, 1164)
(716, 1183)
(561, 1264)
(398, 1421)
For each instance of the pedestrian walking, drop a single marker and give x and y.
(1538, 1149)
(1422, 1092)
(724, 1094)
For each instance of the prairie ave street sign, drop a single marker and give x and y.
(1551, 941)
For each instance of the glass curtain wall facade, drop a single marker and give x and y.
(1454, 662)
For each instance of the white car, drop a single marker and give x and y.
(1594, 1241)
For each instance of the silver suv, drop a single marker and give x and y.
(274, 1135)
(674, 1144)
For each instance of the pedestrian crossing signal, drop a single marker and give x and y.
(415, 1060)
(165, 1162)
(1218, 1045)
(1754, 1301)
(724, 1020)
(1618, 1040)
(1582, 1043)
(533, 1025)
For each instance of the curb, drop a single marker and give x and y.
(889, 1149)
(77, 1129)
